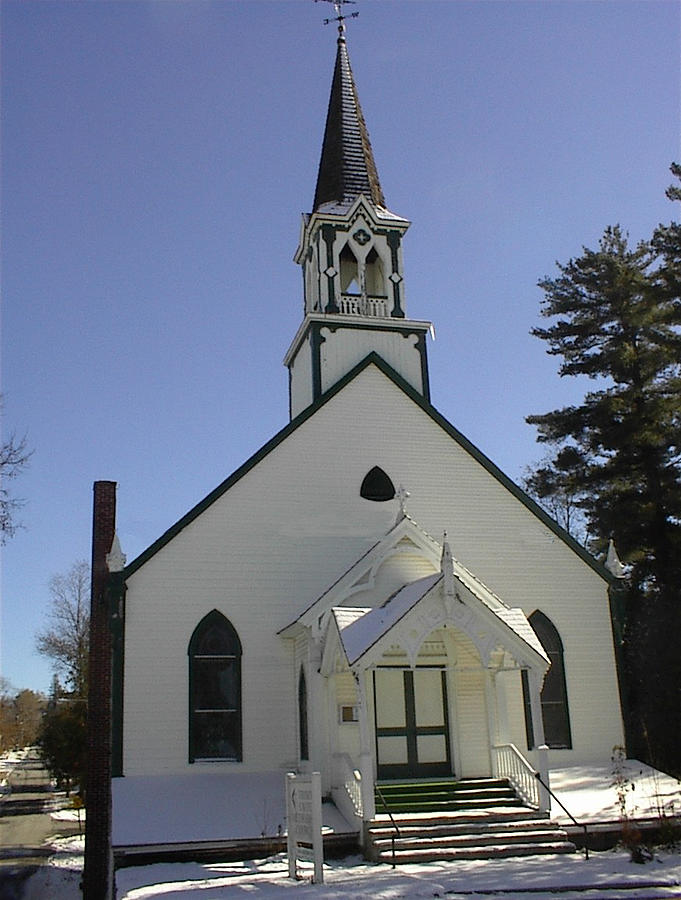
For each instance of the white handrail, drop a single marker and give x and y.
(508, 762)
(347, 785)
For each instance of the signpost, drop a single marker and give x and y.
(304, 819)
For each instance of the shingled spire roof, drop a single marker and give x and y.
(346, 168)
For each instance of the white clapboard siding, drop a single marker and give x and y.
(276, 540)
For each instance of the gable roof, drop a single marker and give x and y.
(354, 578)
(361, 631)
(373, 359)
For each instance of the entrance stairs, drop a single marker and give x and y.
(447, 820)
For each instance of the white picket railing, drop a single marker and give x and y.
(356, 305)
(508, 762)
(347, 786)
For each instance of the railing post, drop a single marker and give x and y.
(543, 767)
(366, 765)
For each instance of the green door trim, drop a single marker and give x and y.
(411, 731)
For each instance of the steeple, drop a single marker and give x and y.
(350, 252)
(346, 168)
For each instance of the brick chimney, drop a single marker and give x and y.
(98, 871)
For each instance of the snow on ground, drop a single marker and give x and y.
(224, 807)
(586, 791)
(611, 874)
(589, 794)
(213, 807)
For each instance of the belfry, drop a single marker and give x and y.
(350, 252)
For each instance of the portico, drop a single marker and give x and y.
(418, 682)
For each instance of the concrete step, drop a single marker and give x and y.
(490, 851)
(456, 841)
(453, 827)
(472, 817)
(435, 806)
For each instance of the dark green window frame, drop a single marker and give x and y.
(554, 698)
(303, 729)
(215, 729)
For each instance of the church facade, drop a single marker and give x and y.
(368, 596)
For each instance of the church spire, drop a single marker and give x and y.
(346, 168)
(350, 252)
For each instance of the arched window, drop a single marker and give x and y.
(349, 271)
(554, 701)
(377, 486)
(375, 280)
(302, 716)
(214, 690)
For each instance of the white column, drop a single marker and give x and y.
(316, 712)
(491, 704)
(366, 765)
(541, 749)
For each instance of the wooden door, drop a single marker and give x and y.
(412, 723)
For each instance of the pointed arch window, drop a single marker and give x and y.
(349, 271)
(554, 699)
(302, 716)
(375, 279)
(377, 486)
(214, 690)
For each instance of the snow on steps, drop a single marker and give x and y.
(448, 829)
(422, 842)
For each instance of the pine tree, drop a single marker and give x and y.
(616, 319)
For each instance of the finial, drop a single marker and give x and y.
(613, 563)
(447, 567)
(402, 495)
(115, 558)
(339, 17)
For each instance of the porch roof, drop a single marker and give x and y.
(360, 628)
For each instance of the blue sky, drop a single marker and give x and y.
(156, 157)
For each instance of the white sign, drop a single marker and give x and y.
(304, 820)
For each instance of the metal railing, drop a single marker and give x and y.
(567, 812)
(396, 830)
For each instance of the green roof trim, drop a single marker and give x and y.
(376, 360)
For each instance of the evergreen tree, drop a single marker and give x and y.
(616, 319)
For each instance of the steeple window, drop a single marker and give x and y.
(374, 277)
(349, 271)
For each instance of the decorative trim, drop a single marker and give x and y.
(316, 341)
(329, 236)
(425, 378)
(393, 238)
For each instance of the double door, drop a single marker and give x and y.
(412, 723)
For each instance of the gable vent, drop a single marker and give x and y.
(377, 486)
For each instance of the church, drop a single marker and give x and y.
(368, 596)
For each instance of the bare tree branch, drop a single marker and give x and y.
(65, 640)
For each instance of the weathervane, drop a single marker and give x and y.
(339, 17)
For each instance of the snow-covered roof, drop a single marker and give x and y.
(360, 632)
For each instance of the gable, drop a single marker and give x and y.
(375, 418)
